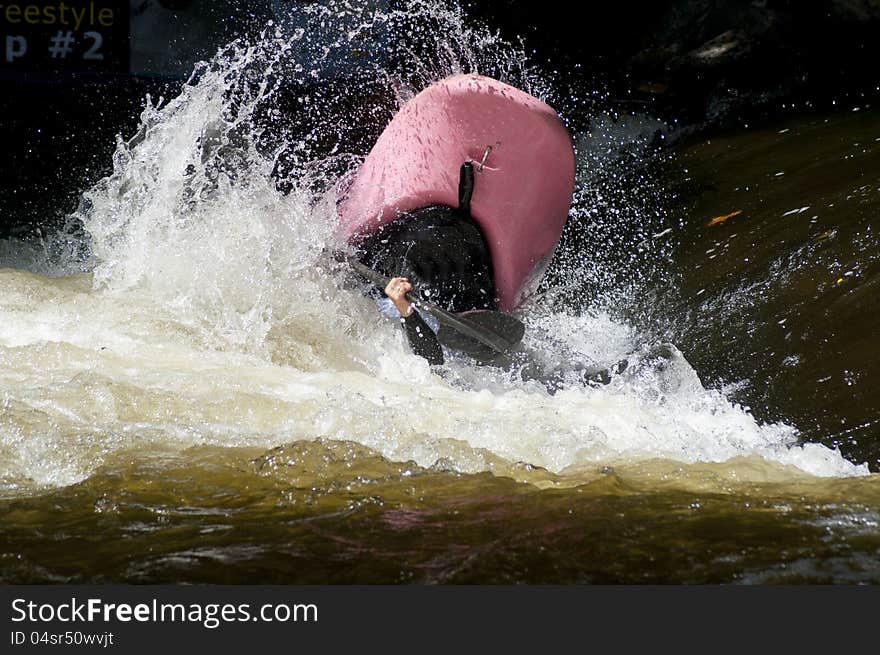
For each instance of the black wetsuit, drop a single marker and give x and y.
(422, 339)
(443, 252)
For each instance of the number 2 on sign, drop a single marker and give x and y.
(97, 40)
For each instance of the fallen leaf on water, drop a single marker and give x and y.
(720, 219)
(828, 234)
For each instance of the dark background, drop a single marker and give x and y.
(698, 64)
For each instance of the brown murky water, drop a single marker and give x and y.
(782, 295)
(333, 512)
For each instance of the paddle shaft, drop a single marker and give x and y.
(376, 278)
(494, 341)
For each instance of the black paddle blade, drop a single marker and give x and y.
(505, 330)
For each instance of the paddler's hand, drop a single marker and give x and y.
(397, 289)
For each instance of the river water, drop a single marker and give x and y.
(191, 391)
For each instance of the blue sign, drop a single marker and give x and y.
(64, 35)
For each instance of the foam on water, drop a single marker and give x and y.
(212, 315)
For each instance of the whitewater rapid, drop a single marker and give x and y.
(207, 312)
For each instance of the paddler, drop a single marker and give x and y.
(444, 250)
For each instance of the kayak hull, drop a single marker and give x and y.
(523, 185)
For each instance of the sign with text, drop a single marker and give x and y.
(64, 35)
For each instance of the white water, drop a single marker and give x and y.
(212, 316)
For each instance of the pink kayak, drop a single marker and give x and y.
(523, 185)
